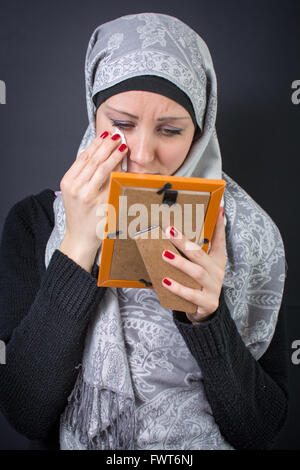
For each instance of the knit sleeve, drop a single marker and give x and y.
(249, 398)
(43, 323)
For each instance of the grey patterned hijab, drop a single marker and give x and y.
(100, 410)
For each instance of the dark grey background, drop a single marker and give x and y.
(255, 48)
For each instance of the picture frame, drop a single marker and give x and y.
(121, 263)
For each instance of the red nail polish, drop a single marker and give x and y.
(173, 232)
(167, 282)
(116, 137)
(105, 134)
(223, 211)
(169, 255)
(122, 147)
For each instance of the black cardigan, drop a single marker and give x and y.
(44, 315)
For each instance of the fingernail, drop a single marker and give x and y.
(116, 137)
(169, 255)
(173, 232)
(122, 147)
(167, 282)
(223, 211)
(105, 134)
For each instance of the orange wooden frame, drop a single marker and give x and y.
(119, 180)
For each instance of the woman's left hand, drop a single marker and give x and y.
(207, 269)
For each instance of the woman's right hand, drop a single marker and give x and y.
(84, 187)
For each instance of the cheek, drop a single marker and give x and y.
(98, 124)
(172, 156)
(102, 123)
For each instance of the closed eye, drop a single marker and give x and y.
(126, 125)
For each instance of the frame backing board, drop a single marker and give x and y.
(152, 248)
(133, 195)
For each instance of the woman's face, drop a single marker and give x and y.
(158, 130)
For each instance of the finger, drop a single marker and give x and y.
(196, 296)
(193, 251)
(100, 155)
(82, 160)
(193, 270)
(101, 152)
(104, 170)
(206, 304)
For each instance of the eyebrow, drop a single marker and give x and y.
(136, 117)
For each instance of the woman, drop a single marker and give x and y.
(98, 368)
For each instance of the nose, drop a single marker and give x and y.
(141, 149)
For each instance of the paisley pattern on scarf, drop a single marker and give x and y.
(255, 269)
(171, 409)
